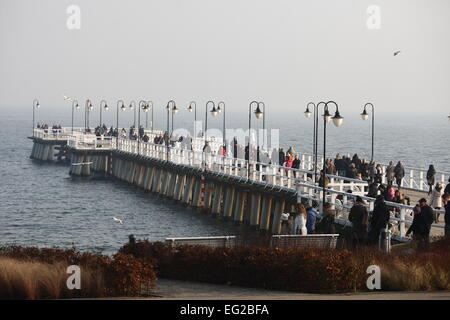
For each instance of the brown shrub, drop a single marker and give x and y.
(298, 269)
(31, 273)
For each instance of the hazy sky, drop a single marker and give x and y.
(282, 52)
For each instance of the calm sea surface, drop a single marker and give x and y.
(40, 204)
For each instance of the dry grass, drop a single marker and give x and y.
(36, 280)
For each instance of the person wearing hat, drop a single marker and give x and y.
(436, 199)
(359, 217)
(428, 217)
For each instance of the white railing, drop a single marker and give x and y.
(89, 142)
(260, 172)
(401, 215)
(415, 178)
(55, 134)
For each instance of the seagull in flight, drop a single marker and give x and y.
(396, 53)
(117, 220)
(67, 98)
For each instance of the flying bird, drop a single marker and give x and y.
(67, 98)
(396, 53)
(117, 220)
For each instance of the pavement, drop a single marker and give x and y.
(187, 290)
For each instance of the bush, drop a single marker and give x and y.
(298, 269)
(31, 273)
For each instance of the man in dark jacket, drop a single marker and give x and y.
(379, 220)
(359, 218)
(428, 218)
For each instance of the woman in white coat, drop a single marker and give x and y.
(300, 220)
(436, 199)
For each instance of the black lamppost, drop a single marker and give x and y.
(315, 132)
(87, 109)
(149, 105)
(219, 110)
(206, 117)
(132, 106)
(365, 116)
(264, 124)
(35, 106)
(258, 115)
(337, 120)
(143, 105)
(167, 138)
(74, 106)
(123, 108)
(190, 109)
(103, 104)
(174, 112)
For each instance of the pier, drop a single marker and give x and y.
(250, 192)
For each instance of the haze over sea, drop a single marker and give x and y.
(40, 204)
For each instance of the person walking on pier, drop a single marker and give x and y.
(296, 163)
(390, 173)
(436, 199)
(399, 171)
(359, 217)
(311, 214)
(378, 220)
(430, 178)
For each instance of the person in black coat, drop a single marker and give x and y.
(379, 220)
(430, 178)
(358, 216)
(399, 172)
(425, 221)
(281, 157)
(447, 187)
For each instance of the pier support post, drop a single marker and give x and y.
(265, 213)
(217, 199)
(278, 210)
(229, 199)
(255, 209)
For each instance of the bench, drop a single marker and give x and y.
(316, 241)
(212, 242)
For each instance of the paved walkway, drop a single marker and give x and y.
(185, 290)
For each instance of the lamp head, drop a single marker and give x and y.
(175, 109)
(364, 115)
(327, 115)
(307, 113)
(258, 113)
(214, 111)
(337, 119)
(190, 109)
